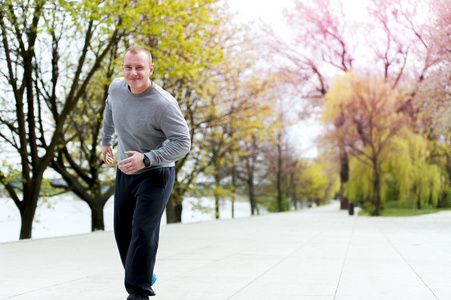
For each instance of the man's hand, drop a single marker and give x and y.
(133, 163)
(108, 156)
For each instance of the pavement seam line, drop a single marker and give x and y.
(405, 260)
(47, 287)
(346, 256)
(279, 262)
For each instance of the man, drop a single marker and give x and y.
(152, 135)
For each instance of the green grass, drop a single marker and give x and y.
(403, 212)
(404, 209)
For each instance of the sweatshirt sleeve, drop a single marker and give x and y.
(174, 126)
(108, 125)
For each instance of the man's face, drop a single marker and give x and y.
(137, 69)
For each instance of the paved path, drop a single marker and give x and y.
(319, 253)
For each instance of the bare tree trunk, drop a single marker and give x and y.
(279, 174)
(174, 206)
(377, 189)
(233, 190)
(97, 220)
(252, 198)
(293, 185)
(178, 213)
(250, 183)
(27, 215)
(217, 185)
(174, 209)
(344, 176)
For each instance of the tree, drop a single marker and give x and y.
(238, 108)
(399, 39)
(313, 183)
(254, 142)
(372, 121)
(204, 62)
(408, 179)
(78, 159)
(80, 164)
(321, 43)
(40, 42)
(432, 101)
(250, 172)
(187, 44)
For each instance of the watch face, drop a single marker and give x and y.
(146, 161)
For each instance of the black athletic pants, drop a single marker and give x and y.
(139, 203)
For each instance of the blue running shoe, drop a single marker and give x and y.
(154, 278)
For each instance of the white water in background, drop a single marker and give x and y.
(66, 215)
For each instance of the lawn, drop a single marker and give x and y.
(404, 212)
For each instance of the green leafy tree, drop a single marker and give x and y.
(202, 59)
(237, 110)
(389, 161)
(172, 36)
(313, 183)
(320, 44)
(78, 159)
(187, 42)
(407, 177)
(372, 121)
(51, 50)
(405, 42)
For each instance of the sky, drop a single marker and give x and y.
(270, 10)
(304, 133)
(254, 9)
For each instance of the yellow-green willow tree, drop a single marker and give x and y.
(371, 122)
(389, 161)
(402, 41)
(407, 178)
(315, 184)
(417, 182)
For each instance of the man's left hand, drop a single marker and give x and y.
(133, 163)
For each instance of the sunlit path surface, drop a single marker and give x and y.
(319, 253)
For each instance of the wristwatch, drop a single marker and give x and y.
(146, 161)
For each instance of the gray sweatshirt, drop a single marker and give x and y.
(150, 123)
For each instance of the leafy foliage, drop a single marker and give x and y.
(387, 155)
(51, 50)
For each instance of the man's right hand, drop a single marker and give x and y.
(108, 156)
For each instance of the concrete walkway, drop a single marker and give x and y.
(319, 253)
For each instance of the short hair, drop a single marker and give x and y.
(138, 48)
